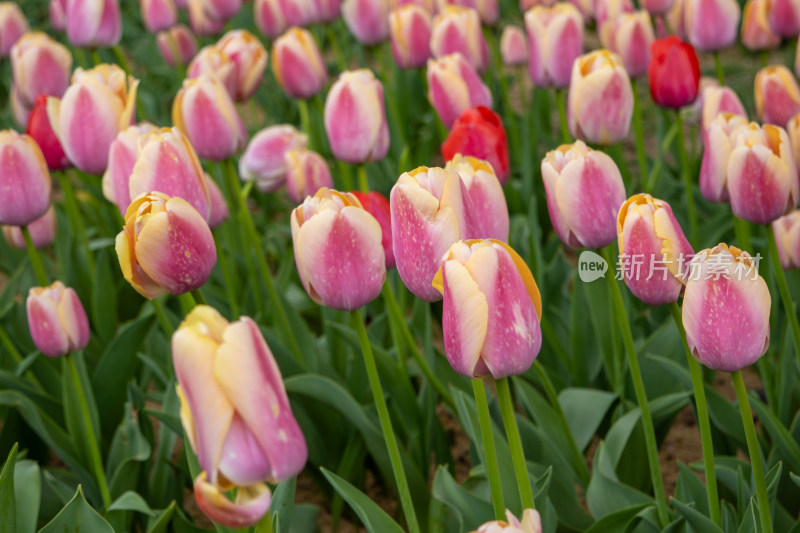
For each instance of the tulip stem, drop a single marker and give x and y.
(36, 259)
(720, 70)
(515, 443)
(228, 276)
(17, 357)
(121, 59)
(562, 115)
(74, 216)
(386, 423)
(489, 451)
(198, 297)
(161, 316)
(755, 453)
(742, 229)
(305, 122)
(783, 288)
(363, 183)
(641, 397)
(702, 419)
(687, 179)
(641, 155)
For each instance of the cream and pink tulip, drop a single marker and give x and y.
(121, 158)
(555, 41)
(514, 46)
(177, 45)
(42, 230)
(719, 142)
(57, 320)
(656, 7)
(777, 95)
(454, 87)
(222, 10)
(784, 17)
(711, 25)
(13, 25)
(200, 21)
(458, 30)
(715, 101)
(485, 193)
(306, 173)
(609, 10)
(158, 15)
(219, 206)
(298, 65)
(58, 14)
(92, 23)
(250, 58)
(264, 161)
(367, 20)
(630, 35)
(39, 65)
(24, 180)
(531, 523)
(756, 32)
(211, 61)
(410, 29)
(269, 17)
(787, 238)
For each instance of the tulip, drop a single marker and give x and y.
(58, 14)
(777, 95)
(458, 29)
(630, 35)
(306, 173)
(711, 24)
(13, 25)
(24, 180)
(299, 12)
(492, 309)
(717, 100)
(41, 131)
(676, 17)
(600, 103)
(726, 309)
(367, 20)
(410, 28)
(264, 159)
(479, 132)
(555, 40)
(56, 319)
(714, 166)
(219, 207)
(674, 73)
(177, 45)
(19, 110)
(338, 251)
(165, 246)
(250, 58)
(485, 194)
(488, 10)
(222, 10)
(584, 193)
(269, 17)
(98, 105)
(431, 210)
(454, 87)
(513, 46)
(757, 34)
(235, 414)
(428, 5)
(787, 238)
(783, 17)
(121, 159)
(211, 61)
(204, 112)
(158, 15)
(377, 205)
(40, 65)
(793, 129)
(656, 7)
(531, 523)
(200, 21)
(327, 10)
(298, 65)
(42, 230)
(355, 118)
(93, 23)
(610, 10)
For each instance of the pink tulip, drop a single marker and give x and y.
(19, 110)
(514, 46)
(42, 230)
(720, 138)
(327, 10)
(777, 95)
(200, 21)
(485, 193)
(610, 10)
(121, 158)
(211, 61)
(299, 13)
(656, 7)
(428, 5)
(783, 17)
(793, 129)
(158, 15)
(630, 35)
(13, 25)
(58, 14)
(410, 28)
(787, 237)
(454, 87)
(56, 319)
(92, 23)
(368, 20)
(40, 65)
(555, 40)
(338, 251)
(711, 24)
(717, 100)
(222, 10)
(298, 65)
(177, 45)
(264, 160)
(219, 206)
(757, 34)
(531, 523)
(458, 30)
(24, 180)
(676, 17)
(377, 205)
(270, 18)
(306, 173)
(250, 58)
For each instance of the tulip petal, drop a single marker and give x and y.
(465, 318)
(251, 504)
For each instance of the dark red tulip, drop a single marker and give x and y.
(42, 132)
(674, 72)
(377, 205)
(479, 132)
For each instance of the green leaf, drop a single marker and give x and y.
(131, 501)
(795, 478)
(8, 506)
(104, 298)
(605, 494)
(696, 521)
(616, 522)
(470, 510)
(161, 519)
(77, 517)
(585, 410)
(690, 489)
(304, 518)
(788, 447)
(129, 450)
(373, 517)
(28, 492)
(283, 503)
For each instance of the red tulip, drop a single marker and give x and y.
(377, 205)
(42, 132)
(674, 73)
(479, 132)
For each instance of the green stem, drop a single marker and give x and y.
(755, 453)
(121, 59)
(161, 316)
(687, 179)
(641, 397)
(363, 183)
(386, 422)
(515, 443)
(36, 259)
(228, 276)
(490, 454)
(96, 59)
(176, 55)
(742, 229)
(720, 70)
(198, 297)
(783, 288)
(562, 115)
(74, 216)
(702, 419)
(641, 155)
(17, 357)
(305, 122)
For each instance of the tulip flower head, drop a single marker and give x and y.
(121, 158)
(410, 29)
(674, 73)
(485, 193)
(250, 59)
(656, 7)
(514, 46)
(298, 65)
(757, 33)
(793, 129)
(42, 230)
(40, 66)
(269, 17)
(717, 100)
(41, 131)
(13, 25)
(378, 206)
(479, 132)
(784, 17)
(454, 87)
(58, 14)
(56, 319)
(711, 24)
(158, 15)
(201, 22)
(777, 95)
(531, 523)
(458, 30)
(93, 23)
(177, 45)
(787, 237)
(24, 180)
(630, 35)
(215, 63)
(264, 160)
(676, 18)
(306, 173)
(555, 41)
(720, 138)
(221, 10)
(367, 20)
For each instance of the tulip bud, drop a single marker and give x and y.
(19, 110)
(674, 73)
(787, 237)
(428, 5)
(458, 30)
(327, 10)
(711, 24)
(158, 15)
(298, 65)
(42, 230)
(250, 58)
(166, 246)
(630, 35)
(676, 18)
(514, 46)
(211, 61)
(410, 28)
(92, 23)
(777, 95)
(555, 40)
(41, 131)
(531, 523)
(717, 100)
(306, 173)
(355, 118)
(219, 207)
(235, 414)
(338, 251)
(13, 25)
(377, 205)
(610, 10)
(726, 309)
(600, 103)
(454, 87)
(222, 10)
(656, 7)
(479, 132)
(58, 14)
(269, 17)
(492, 309)
(757, 34)
(264, 159)
(783, 17)
(485, 194)
(367, 20)
(24, 180)
(431, 210)
(56, 319)
(121, 158)
(204, 112)
(40, 65)
(177, 45)
(714, 166)
(584, 193)
(200, 21)
(98, 105)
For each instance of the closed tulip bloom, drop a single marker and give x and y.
(158, 15)
(93, 23)
(213, 62)
(177, 45)
(600, 103)
(630, 35)
(787, 237)
(355, 118)
(306, 173)
(250, 58)
(777, 95)
(717, 100)
(165, 246)
(39, 66)
(264, 160)
(711, 24)
(327, 10)
(430, 6)
(584, 193)
(377, 205)
(784, 17)
(458, 29)
(726, 309)
(479, 132)
(431, 210)
(676, 17)
(610, 10)
(298, 65)
(531, 523)
(235, 414)
(367, 20)
(674, 73)
(99, 104)
(219, 206)
(56, 319)
(223, 10)
(204, 112)
(58, 14)
(757, 34)
(121, 158)
(19, 110)
(299, 13)
(492, 309)
(41, 131)
(656, 7)
(42, 230)
(338, 251)
(454, 87)
(485, 194)
(514, 46)
(24, 180)
(269, 17)
(555, 41)
(13, 25)
(718, 147)
(201, 23)
(410, 28)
